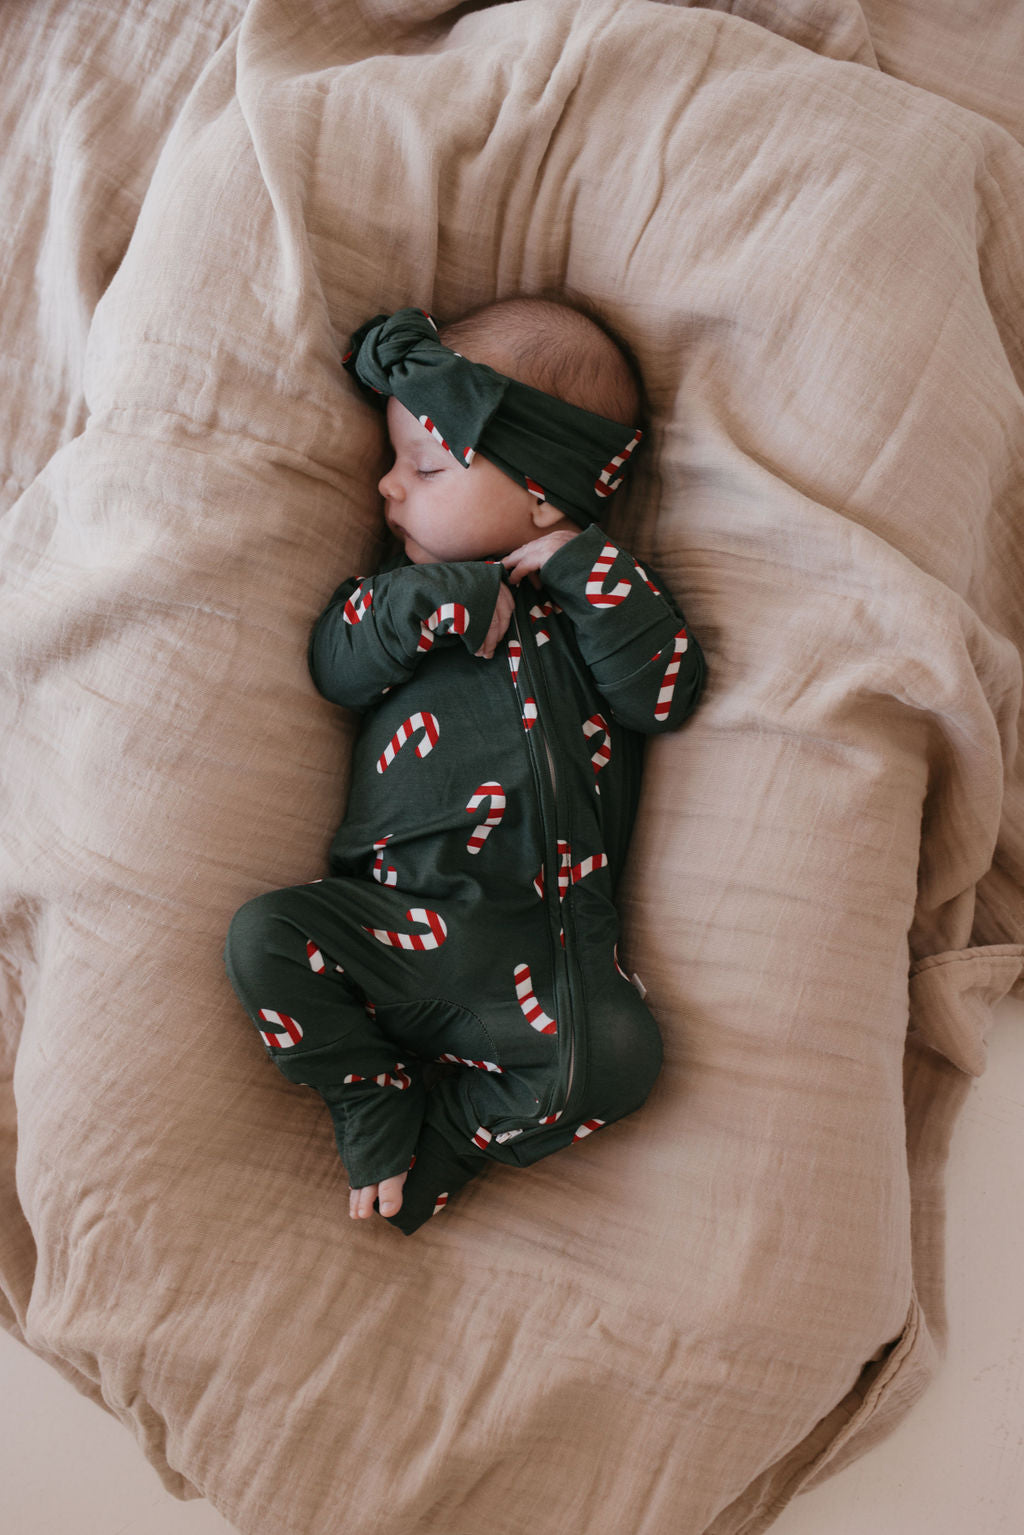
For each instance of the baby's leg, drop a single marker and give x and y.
(299, 962)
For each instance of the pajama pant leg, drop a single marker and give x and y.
(287, 956)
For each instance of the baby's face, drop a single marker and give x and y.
(442, 511)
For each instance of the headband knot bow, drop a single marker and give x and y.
(561, 453)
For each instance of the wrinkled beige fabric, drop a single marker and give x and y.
(674, 1326)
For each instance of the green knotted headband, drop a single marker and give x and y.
(559, 452)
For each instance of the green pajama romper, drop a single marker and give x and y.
(452, 988)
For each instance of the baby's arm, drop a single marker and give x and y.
(630, 631)
(376, 629)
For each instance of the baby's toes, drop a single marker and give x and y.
(360, 1201)
(390, 1194)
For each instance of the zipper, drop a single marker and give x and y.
(533, 686)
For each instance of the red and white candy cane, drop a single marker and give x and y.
(460, 1060)
(290, 1030)
(467, 453)
(529, 713)
(515, 655)
(587, 866)
(607, 482)
(385, 1079)
(359, 604)
(532, 1011)
(602, 755)
(596, 594)
(430, 940)
(668, 683)
(539, 611)
(439, 1204)
(388, 876)
(481, 1137)
(646, 578)
(425, 722)
(564, 861)
(452, 613)
(587, 1128)
(496, 795)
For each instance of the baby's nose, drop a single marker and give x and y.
(389, 486)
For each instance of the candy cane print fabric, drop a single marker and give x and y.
(601, 756)
(438, 931)
(531, 1009)
(290, 1031)
(388, 876)
(515, 655)
(596, 594)
(606, 482)
(460, 1060)
(359, 604)
(495, 795)
(386, 1079)
(454, 614)
(540, 611)
(587, 866)
(668, 683)
(431, 732)
(587, 1128)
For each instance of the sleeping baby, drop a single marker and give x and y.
(452, 988)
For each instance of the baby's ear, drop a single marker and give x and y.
(548, 518)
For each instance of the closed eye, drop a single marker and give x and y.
(428, 474)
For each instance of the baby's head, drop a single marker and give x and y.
(442, 510)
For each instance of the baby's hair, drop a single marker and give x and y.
(558, 345)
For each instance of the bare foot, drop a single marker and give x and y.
(389, 1192)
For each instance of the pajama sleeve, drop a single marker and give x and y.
(376, 629)
(631, 633)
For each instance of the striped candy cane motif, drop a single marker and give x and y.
(515, 655)
(431, 919)
(564, 861)
(541, 610)
(529, 713)
(451, 613)
(602, 755)
(587, 1128)
(388, 876)
(496, 795)
(460, 1060)
(549, 1119)
(605, 483)
(291, 1031)
(532, 1011)
(534, 488)
(425, 722)
(385, 1079)
(481, 1137)
(467, 453)
(596, 593)
(588, 865)
(668, 682)
(359, 604)
(442, 1200)
(645, 578)
(316, 960)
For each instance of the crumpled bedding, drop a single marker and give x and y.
(812, 236)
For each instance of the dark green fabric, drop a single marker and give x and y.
(561, 453)
(554, 722)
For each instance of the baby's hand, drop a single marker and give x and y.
(528, 558)
(503, 610)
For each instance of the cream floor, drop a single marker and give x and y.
(955, 1467)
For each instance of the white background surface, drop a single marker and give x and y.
(954, 1467)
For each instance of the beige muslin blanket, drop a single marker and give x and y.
(810, 226)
